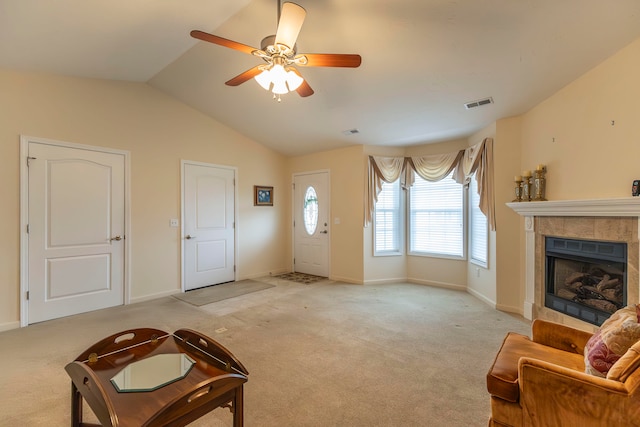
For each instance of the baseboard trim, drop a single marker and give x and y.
(9, 326)
(510, 309)
(437, 284)
(385, 281)
(153, 296)
(346, 280)
(482, 298)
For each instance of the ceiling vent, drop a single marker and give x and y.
(350, 132)
(478, 103)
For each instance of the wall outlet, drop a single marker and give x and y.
(173, 222)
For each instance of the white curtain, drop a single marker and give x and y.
(476, 159)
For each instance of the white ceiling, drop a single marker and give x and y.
(421, 59)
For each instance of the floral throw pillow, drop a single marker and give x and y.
(616, 335)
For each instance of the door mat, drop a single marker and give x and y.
(221, 292)
(300, 277)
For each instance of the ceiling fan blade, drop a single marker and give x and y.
(304, 89)
(247, 75)
(328, 60)
(222, 41)
(289, 24)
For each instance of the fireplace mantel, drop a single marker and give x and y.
(625, 206)
(604, 212)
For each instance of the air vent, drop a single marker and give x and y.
(478, 103)
(350, 132)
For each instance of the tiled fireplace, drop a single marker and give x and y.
(607, 228)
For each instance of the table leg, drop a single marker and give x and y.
(238, 410)
(76, 406)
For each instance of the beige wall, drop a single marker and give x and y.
(509, 280)
(158, 131)
(571, 132)
(347, 201)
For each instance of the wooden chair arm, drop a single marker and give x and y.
(559, 336)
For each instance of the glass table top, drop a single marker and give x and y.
(153, 372)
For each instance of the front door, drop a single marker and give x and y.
(76, 230)
(208, 225)
(311, 223)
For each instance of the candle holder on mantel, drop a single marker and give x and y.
(517, 188)
(526, 186)
(539, 184)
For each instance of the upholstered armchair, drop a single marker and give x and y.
(542, 381)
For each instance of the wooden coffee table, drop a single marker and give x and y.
(201, 376)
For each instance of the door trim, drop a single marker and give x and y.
(235, 215)
(24, 215)
(293, 215)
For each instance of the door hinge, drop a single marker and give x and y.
(29, 160)
(234, 268)
(27, 295)
(294, 260)
(233, 225)
(294, 185)
(27, 228)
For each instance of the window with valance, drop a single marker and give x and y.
(463, 164)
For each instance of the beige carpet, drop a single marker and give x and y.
(328, 354)
(210, 294)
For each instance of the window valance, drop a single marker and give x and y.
(476, 159)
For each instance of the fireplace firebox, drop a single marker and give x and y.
(585, 279)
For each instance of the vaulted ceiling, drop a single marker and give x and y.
(422, 60)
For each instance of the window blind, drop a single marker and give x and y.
(479, 233)
(387, 220)
(436, 217)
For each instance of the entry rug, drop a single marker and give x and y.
(307, 279)
(203, 296)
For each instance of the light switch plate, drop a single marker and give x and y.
(173, 222)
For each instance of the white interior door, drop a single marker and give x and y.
(208, 225)
(76, 230)
(311, 228)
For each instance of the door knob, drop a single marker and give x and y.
(189, 237)
(117, 238)
(324, 232)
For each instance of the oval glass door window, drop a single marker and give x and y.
(310, 210)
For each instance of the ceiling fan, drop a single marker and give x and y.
(279, 74)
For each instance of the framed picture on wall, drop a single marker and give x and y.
(262, 195)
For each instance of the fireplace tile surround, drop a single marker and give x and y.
(614, 220)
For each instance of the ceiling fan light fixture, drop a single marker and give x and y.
(264, 79)
(293, 80)
(279, 80)
(280, 87)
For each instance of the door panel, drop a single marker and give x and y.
(311, 224)
(209, 234)
(76, 206)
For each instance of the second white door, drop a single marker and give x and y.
(311, 223)
(208, 225)
(76, 209)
